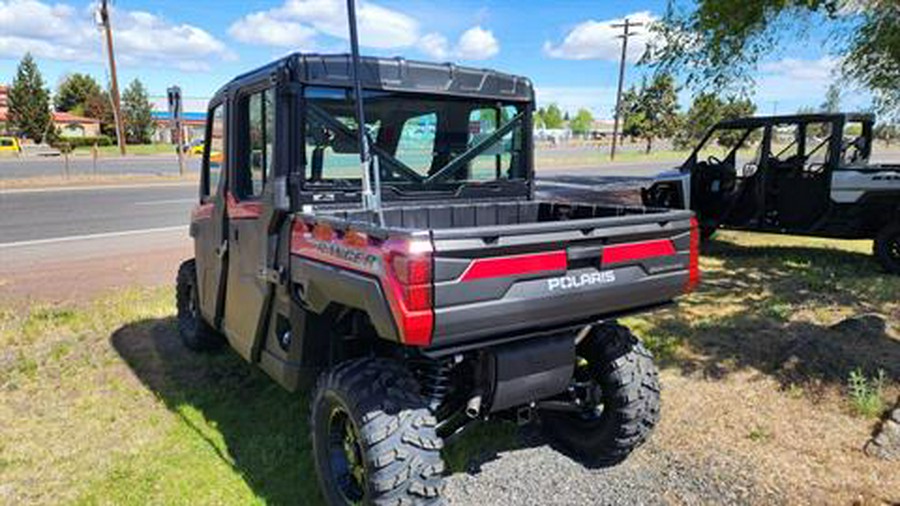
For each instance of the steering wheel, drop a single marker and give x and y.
(713, 160)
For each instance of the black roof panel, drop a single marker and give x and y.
(398, 74)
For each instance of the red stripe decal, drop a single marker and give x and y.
(499, 267)
(202, 212)
(637, 251)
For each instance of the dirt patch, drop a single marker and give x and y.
(78, 272)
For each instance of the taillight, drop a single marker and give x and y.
(694, 261)
(410, 272)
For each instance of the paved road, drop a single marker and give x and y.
(20, 168)
(27, 216)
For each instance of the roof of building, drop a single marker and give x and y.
(61, 117)
(188, 117)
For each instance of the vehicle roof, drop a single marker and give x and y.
(757, 121)
(397, 74)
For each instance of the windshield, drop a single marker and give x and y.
(420, 141)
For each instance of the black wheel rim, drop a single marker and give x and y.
(893, 248)
(345, 457)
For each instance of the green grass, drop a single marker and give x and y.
(131, 149)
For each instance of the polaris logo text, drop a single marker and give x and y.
(586, 279)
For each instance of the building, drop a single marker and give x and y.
(69, 125)
(194, 126)
(4, 108)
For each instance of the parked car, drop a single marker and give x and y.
(10, 145)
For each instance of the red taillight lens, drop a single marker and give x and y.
(694, 261)
(410, 273)
(415, 270)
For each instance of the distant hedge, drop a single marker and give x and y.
(78, 142)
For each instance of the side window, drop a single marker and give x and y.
(215, 147)
(415, 147)
(257, 146)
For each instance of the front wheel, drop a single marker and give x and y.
(887, 248)
(621, 402)
(374, 439)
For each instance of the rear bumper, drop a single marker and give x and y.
(534, 304)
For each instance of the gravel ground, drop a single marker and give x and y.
(538, 475)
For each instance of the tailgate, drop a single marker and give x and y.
(493, 281)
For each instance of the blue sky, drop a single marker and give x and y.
(566, 47)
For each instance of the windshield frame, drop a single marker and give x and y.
(419, 185)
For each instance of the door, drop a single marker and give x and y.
(208, 219)
(247, 227)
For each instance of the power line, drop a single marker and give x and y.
(627, 25)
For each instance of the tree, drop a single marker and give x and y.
(652, 112)
(832, 102)
(582, 123)
(705, 112)
(74, 92)
(717, 44)
(887, 133)
(553, 118)
(29, 101)
(137, 112)
(539, 118)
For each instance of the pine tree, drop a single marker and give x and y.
(29, 101)
(136, 109)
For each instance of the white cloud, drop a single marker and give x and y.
(802, 70)
(263, 28)
(301, 24)
(298, 22)
(597, 40)
(61, 32)
(435, 46)
(476, 43)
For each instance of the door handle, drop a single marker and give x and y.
(222, 249)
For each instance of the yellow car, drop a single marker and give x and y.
(197, 149)
(9, 145)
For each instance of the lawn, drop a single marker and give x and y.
(102, 405)
(131, 149)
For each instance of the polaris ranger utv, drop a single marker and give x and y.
(460, 297)
(804, 174)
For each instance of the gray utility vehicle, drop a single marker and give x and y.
(805, 174)
(461, 297)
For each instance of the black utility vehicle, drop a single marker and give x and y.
(804, 174)
(461, 297)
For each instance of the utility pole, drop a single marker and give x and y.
(174, 98)
(627, 25)
(103, 11)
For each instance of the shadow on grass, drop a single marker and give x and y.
(846, 294)
(265, 428)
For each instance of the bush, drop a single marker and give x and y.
(78, 142)
(866, 394)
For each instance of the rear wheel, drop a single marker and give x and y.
(887, 248)
(195, 333)
(621, 399)
(374, 438)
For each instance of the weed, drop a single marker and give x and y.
(866, 394)
(759, 434)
